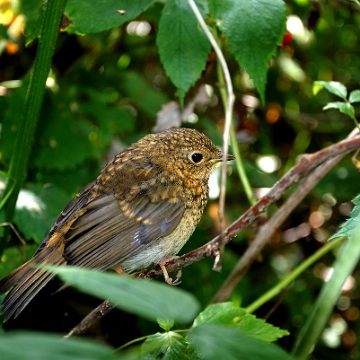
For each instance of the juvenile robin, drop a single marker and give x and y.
(141, 209)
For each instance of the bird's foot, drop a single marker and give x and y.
(167, 278)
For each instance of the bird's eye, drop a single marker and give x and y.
(196, 157)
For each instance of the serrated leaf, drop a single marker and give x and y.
(166, 324)
(99, 15)
(354, 96)
(41, 346)
(213, 342)
(228, 315)
(253, 30)
(167, 346)
(333, 87)
(36, 209)
(343, 107)
(347, 228)
(148, 299)
(183, 45)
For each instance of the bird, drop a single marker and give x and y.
(140, 211)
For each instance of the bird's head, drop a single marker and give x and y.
(183, 152)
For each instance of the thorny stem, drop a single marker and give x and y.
(268, 230)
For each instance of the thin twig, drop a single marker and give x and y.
(228, 116)
(306, 164)
(91, 318)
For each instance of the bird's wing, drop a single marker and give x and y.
(70, 211)
(105, 234)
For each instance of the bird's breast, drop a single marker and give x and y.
(163, 247)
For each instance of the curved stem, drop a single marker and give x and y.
(228, 116)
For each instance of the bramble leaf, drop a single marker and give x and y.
(253, 30)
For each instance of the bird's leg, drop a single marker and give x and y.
(167, 278)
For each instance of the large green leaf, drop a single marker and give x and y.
(253, 29)
(213, 342)
(145, 298)
(55, 144)
(142, 94)
(228, 315)
(40, 346)
(183, 45)
(99, 15)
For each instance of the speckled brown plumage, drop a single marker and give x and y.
(142, 208)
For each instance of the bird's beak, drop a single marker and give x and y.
(229, 157)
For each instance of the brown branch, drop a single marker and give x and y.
(305, 165)
(269, 228)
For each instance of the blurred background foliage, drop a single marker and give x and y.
(106, 90)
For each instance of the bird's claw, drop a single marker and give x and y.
(177, 281)
(168, 279)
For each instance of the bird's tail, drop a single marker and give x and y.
(27, 281)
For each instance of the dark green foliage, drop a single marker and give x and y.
(105, 90)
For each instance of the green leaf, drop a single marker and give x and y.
(354, 96)
(148, 299)
(213, 342)
(99, 15)
(228, 315)
(167, 346)
(36, 209)
(36, 30)
(343, 107)
(3, 32)
(347, 228)
(333, 87)
(31, 10)
(166, 324)
(142, 94)
(253, 30)
(41, 346)
(183, 45)
(13, 257)
(318, 317)
(2, 220)
(56, 144)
